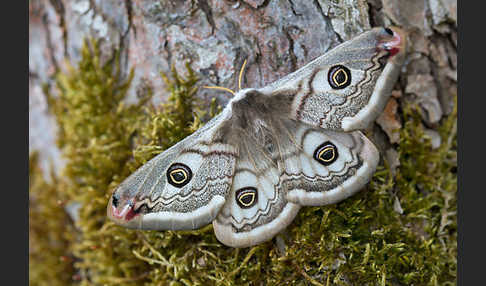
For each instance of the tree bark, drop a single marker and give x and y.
(276, 37)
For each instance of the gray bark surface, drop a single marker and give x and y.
(276, 37)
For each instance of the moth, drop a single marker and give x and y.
(295, 142)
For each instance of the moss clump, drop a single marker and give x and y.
(172, 121)
(95, 136)
(361, 241)
(50, 230)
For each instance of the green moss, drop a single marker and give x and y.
(174, 120)
(362, 240)
(50, 230)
